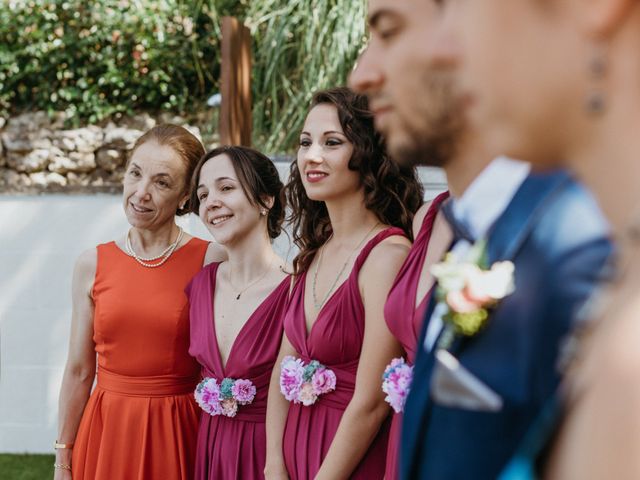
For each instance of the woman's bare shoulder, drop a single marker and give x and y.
(418, 218)
(215, 254)
(87, 261)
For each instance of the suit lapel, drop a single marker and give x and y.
(505, 238)
(508, 233)
(418, 397)
(512, 228)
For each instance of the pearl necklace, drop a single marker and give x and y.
(318, 305)
(163, 257)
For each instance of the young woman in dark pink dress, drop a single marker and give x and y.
(236, 310)
(408, 300)
(352, 211)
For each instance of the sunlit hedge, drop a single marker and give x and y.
(94, 59)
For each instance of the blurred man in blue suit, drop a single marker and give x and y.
(474, 396)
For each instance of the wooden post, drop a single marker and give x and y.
(235, 84)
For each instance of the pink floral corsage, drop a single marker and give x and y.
(300, 383)
(224, 398)
(396, 381)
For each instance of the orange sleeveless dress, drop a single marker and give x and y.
(141, 421)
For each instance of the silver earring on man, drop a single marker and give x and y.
(596, 102)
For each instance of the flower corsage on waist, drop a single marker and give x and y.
(470, 288)
(304, 383)
(396, 381)
(223, 398)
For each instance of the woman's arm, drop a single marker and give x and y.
(367, 409)
(418, 218)
(277, 409)
(80, 369)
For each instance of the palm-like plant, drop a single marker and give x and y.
(300, 46)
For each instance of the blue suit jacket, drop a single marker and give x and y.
(556, 237)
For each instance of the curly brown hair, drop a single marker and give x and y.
(392, 191)
(258, 177)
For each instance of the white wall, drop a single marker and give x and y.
(40, 238)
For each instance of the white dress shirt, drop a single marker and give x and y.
(479, 207)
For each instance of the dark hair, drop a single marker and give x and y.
(391, 191)
(185, 144)
(258, 177)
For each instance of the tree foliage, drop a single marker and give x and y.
(102, 58)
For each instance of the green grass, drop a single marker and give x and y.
(26, 467)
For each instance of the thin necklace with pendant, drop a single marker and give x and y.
(318, 304)
(252, 283)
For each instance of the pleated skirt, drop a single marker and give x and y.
(308, 434)
(134, 437)
(393, 451)
(230, 448)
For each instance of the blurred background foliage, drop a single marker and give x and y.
(104, 58)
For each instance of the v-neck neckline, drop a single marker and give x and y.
(308, 331)
(212, 321)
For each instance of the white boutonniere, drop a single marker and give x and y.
(469, 289)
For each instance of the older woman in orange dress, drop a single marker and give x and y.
(131, 313)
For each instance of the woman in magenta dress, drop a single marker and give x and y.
(407, 301)
(236, 310)
(352, 210)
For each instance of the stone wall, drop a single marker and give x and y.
(38, 154)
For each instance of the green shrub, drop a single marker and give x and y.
(95, 59)
(102, 58)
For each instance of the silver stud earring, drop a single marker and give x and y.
(596, 102)
(263, 212)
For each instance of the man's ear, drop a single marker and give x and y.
(601, 19)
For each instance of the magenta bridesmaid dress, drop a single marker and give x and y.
(335, 340)
(405, 321)
(235, 447)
